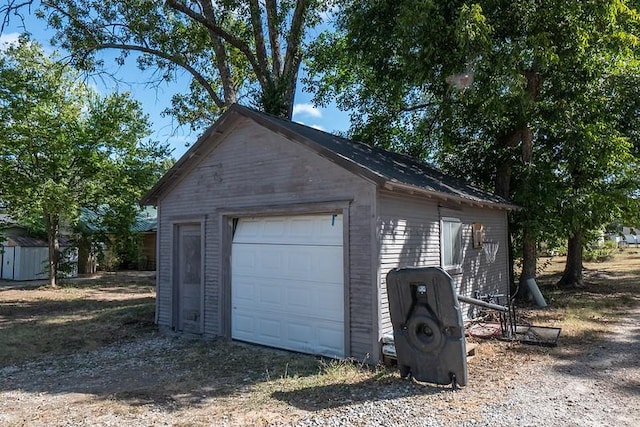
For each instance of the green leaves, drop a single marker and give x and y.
(63, 147)
(547, 113)
(228, 49)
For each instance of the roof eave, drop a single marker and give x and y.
(436, 195)
(176, 171)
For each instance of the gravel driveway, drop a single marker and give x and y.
(133, 384)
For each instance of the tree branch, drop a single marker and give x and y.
(208, 20)
(12, 7)
(274, 36)
(144, 49)
(292, 56)
(222, 59)
(176, 60)
(256, 23)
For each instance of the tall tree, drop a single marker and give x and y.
(488, 89)
(231, 49)
(63, 147)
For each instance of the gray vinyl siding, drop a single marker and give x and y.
(409, 235)
(252, 167)
(477, 273)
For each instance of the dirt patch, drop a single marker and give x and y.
(134, 376)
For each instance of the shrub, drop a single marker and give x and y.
(600, 253)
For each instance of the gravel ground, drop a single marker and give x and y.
(131, 384)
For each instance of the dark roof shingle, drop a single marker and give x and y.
(382, 166)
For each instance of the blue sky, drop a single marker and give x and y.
(155, 98)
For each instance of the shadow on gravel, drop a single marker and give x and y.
(337, 395)
(161, 371)
(602, 339)
(601, 355)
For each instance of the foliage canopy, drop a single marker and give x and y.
(231, 49)
(536, 100)
(63, 147)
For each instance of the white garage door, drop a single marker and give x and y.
(287, 286)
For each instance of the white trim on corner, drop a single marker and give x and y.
(174, 223)
(454, 268)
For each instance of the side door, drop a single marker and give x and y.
(188, 279)
(8, 261)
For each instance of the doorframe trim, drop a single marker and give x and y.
(226, 217)
(175, 224)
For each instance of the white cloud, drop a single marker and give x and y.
(8, 39)
(306, 110)
(317, 127)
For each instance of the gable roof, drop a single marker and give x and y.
(386, 169)
(33, 242)
(145, 221)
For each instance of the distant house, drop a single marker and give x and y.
(147, 225)
(23, 257)
(144, 227)
(9, 227)
(628, 236)
(275, 233)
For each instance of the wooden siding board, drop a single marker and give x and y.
(409, 235)
(252, 167)
(477, 273)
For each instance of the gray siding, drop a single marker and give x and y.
(477, 273)
(409, 235)
(253, 167)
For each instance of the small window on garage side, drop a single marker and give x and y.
(451, 239)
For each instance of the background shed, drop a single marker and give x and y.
(25, 258)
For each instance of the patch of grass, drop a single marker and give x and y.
(254, 383)
(49, 321)
(585, 314)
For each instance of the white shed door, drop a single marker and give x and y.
(287, 287)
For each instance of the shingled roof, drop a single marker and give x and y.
(385, 168)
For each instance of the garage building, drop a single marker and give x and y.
(275, 233)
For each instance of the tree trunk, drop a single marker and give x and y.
(529, 262)
(572, 276)
(529, 238)
(503, 189)
(52, 224)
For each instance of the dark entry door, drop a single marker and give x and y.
(8, 263)
(188, 284)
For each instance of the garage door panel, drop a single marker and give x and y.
(244, 293)
(287, 276)
(308, 230)
(269, 328)
(293, 333)
(319, 263)
(308, 299)
(331, 336)
(245, 258)
(299, 299)
(243, 325)
(299, 333)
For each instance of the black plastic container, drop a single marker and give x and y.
(427, 325)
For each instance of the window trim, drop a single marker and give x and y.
(453, 268)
